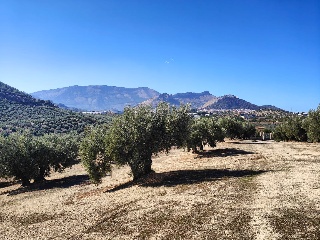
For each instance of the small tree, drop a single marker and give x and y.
(56, 152)
(237, 128)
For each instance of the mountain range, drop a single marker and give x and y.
(111, 98)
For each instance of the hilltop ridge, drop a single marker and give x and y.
(111, 98)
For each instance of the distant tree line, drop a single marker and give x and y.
(300, 129)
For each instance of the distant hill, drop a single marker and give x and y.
(20, 111)
(232, 102)
(196, 100)
(98, 97)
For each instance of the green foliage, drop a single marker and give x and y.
(133, 138)
(291, 130)
(248, 131)
(93, 153)
(231, 126)
(312, 125)
(279, 133)
(14, 95)
(17, 160)
(204, 131)
(140, 132)
(26, 157)
(40, 120)
(237, 128)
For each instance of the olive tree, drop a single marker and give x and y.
(237, 128)
(16, 158)
(26, 157)
(291, 130)
(93, 153)
(232, 127)
(312, 125)
(134, 137)
(204, 131)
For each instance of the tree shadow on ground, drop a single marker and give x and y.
(180, 177)
(7, 184)
(253, 142)
(225, 152)
(65, 182)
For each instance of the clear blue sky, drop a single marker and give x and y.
(264, 51)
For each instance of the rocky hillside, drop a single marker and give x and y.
(97, 98)
(232, 102)
(196, 100)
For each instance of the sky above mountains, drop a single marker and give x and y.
(266, 52)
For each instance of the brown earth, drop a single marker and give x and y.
(238, 190)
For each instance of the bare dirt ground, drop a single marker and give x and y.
(238, 190)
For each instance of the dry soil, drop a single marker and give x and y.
(238, 190)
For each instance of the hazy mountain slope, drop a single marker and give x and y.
(97, 98)
(196, 100)
(164, 97)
